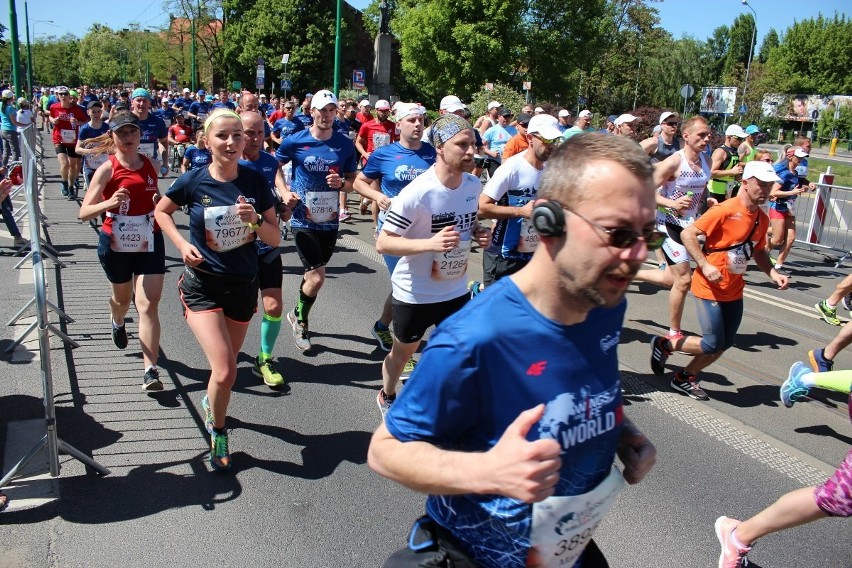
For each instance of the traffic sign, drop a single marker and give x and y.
(743, 109)
(358, 79)
(259, 83)
(261, 72)
(236, 85)
(286, 85)
(285, 76)
(581, 100)
(489, 86)
(173, 82)
(527, 85)
(687, 91)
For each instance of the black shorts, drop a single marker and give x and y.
(314, 247)
(495, 267)
(410, 321)
(121, 266)
(269, 270)
(69, 150)
(234, 296)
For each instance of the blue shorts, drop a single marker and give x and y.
(719, 323)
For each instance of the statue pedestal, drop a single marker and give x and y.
(382, 67)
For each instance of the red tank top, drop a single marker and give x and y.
(142, 185)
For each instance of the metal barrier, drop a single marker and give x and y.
(825, 215)
(51, 440)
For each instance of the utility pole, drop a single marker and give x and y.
(13, 32)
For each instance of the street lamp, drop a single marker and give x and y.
(750, 47)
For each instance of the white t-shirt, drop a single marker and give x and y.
(25, 117)
(514, 183)
(423, 208)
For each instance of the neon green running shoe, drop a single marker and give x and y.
(220, 457)
(263, 368)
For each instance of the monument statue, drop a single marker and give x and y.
(384, 20)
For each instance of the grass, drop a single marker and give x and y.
(842, 171)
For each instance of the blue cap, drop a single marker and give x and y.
(140, 92)
(611, 118)
(209, 98)
(309, 95)
(752, 129)
(201, 93)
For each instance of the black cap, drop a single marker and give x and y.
(505, 112)
(523, 118)
(94, 104)
(120, 105)
(124, 119)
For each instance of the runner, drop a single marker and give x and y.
(196, 155)
(90, 134)
(516, 409)
(389, 169)
(374, 134)
(229, 207)
(66, 118)
(734, 232)
(828, 308)
(782, 208)
(323, 165)
(726, 168)
(154, 130)
(489, 119)
(130, 246)
(832, 498)
(582, 124)
(519, 142)
(269, 274)
(666, 143)
(198, 110)
(180, 135)
(430, 225)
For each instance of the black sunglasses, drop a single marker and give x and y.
(673, 124)
(624, 238)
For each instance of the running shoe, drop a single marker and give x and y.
(344, 216)
(688, 386)
(220, 457)
(409, 368)
(384, 401)
(847, 302)
(783, 270)
(793, 390)
(208, 414)
(475, 287)
(300, 332)
(732, 556)
(266, 371)
(151, 381)
(818, 361)
(21, 241)
(828, 314)
(383, 336)
(365, 206)
(64, 189)
(119, 336)
(659, 355)
(674, 335)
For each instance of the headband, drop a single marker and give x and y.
(445, 127)
(217, 114)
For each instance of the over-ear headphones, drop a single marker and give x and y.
(549, 219)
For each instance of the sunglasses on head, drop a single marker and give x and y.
(624, 238)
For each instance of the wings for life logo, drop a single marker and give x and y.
(227, 220)
(317, 164)
(576, 417)
(406, 172)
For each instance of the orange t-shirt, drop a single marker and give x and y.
(516, 144)
(726, 224)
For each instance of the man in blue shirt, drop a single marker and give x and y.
(154, 130)
(513, 418)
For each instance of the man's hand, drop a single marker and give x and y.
(779, 279)
(445, 240)
(482, 235)
(636, 453)
(711, 273)
(520, 469)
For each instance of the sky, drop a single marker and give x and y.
(697, 18)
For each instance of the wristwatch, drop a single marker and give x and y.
(256, 226)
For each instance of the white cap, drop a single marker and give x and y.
(364, 103)
(800, 152)
(451, 103)
(381, 104)
(564, 113)
(395, 105)
(404, 110)
(186, 89)
(545, 125)
(262, 96)
(585, 113)
(624, 119)
(668, 114)
(323, 98)
(494, 104)
(761, 170)
(736, 130)
(539, 110)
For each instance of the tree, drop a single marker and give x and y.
(739, 44)
(770, 42)
(718, 44)
(104, 58)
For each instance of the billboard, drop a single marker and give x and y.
(802, 108)
(718, 100)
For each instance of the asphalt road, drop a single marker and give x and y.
(301, 495)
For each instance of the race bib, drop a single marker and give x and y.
(68, 136)
(321, 205)
(563, 526)
(737, 261)
(224, 229)
(132, 233)
(380, 140)
(451, 265)
(529, 237)
(202, 116)
(148, 149)
(94, 161)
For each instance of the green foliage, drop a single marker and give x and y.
(511, 99)
(827, 122)
(770, 42)
(105, 51)
(55, 61)
(739, 43)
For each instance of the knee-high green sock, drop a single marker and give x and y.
(269, 328)
(838, 381)
(303, 307)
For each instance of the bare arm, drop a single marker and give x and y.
(649, 145)
(488, 209)
(390, 243)
(370, 188)
(93, 203)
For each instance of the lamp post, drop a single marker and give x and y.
(337, 48)
(750, 47)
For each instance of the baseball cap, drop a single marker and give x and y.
(797, 151)
(73, 93)
(760, 170)
(506, 112)
(61, 90)
(7, 94)
(666, 115)
(186, 89)
(451, 103)
(611, 118)
(201, 93)
(208, 98)
(94, 104)
(309, 95)
(752, 129)
(382, 104)
(584, 113)
(364, 103)
(494, 104)
(539, 110)
(544, 125)
(324, 98)
(736, 130)
(262, 96)
(624, 119)
(563, 113)
(123, 119)
(523, 118)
